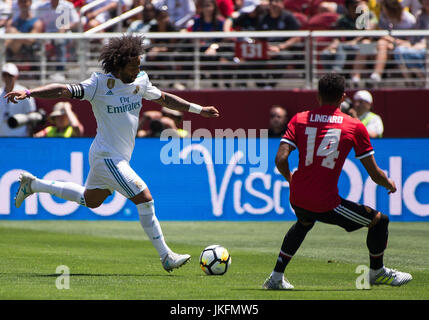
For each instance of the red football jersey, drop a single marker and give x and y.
(323, 137)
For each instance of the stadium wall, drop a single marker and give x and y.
(404, 112)
(207, 179)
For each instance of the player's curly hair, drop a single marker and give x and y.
(119, 52)
(331, 88)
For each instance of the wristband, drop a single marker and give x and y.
(27, 93)
(195, 108)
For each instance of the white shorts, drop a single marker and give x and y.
(113, 174)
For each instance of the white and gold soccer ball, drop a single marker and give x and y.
(215, 260)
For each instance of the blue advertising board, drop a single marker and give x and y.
(208, 179)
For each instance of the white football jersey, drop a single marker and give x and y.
(116, 106)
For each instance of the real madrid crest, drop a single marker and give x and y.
(137, 90)
(110, 83)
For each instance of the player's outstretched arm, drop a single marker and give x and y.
(377, 175)
(282, 160)
(174, 102)
(50, 91)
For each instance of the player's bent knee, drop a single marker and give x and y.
(93, 204)
(305, 225)
(381, 221)
(384, 219)
(142, 197)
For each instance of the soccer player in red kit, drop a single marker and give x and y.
(324, 137)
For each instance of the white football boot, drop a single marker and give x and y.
(389, 277)
(174, 260)
(24, 189)
(271, 284)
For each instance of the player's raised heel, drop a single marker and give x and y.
(173, 261)
(24, 189)
(390, 277)
(271, 284)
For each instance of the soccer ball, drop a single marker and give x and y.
(215, 260)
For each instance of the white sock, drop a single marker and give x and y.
(64, 190)
(152, 227)
(277, 276)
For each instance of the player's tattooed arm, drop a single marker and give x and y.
(377, 175)
(50, 91)
(174, 102)
(282, 160)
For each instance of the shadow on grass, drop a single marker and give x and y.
(56, 275)
(305, 290)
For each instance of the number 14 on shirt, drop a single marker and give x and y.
(328, 148)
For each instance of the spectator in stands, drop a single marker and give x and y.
(362, 103)
(208, 21)
(341, 49)
(78, 3)
(305, 7)
(247, 19)
(7, 109)
(226, 8)
(65, 123)
(147, 21)
(5, 14)
(100, 13)
(422, 22)
(162, 21)
(23, 49)
(392, 17)
(177, 124)
(160, 49)
(304, 10)
(58, 16)
(412, 55)
(278, 121)
(180, 12)
(413, 6)
(278, 19)
(161, 120)
(209, 18)
(374, 7)
(240, 5)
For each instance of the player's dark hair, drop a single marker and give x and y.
(331, 88)
(120, 51)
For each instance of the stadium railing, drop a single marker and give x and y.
(178, 60)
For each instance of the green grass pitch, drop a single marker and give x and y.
(115, 260)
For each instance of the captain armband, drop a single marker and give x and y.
(76, 90)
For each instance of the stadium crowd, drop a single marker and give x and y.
(35, 16)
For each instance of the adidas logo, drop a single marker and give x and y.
(109, 93)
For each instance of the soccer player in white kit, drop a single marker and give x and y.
(116, 99)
